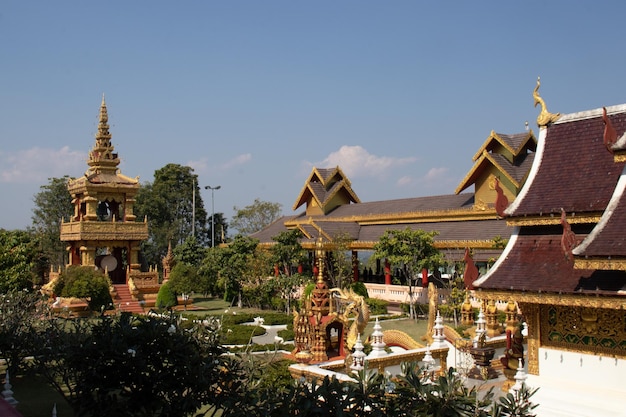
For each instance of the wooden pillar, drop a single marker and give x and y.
(387, 273)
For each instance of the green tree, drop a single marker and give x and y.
(184, 279)
(53, 203)
(85, 282)
(19, 260)
(234, 265)
(209, 271)
(286, 253)
(412, 250)
(189, 252)
(167, 202)
(255, 217)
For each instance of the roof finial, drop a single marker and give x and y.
(526, 125)
(545, 117)
(610, 135)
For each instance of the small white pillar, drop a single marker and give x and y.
(439, 340)
(8, 393)
(520, 377)
(358, 357)
(378, 346)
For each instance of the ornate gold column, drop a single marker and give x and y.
(88, 255)
(531, 315)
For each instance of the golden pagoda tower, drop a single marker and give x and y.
(103, 231)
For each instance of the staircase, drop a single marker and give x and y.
(123, 301)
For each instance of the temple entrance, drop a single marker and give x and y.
(334, 339)
(114, 262)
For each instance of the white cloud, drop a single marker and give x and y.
(236, 161)
(436, 174)
(36, 165)
(205, 164)
(357, 162)
(405, 181)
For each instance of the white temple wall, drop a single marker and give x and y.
(579, 385)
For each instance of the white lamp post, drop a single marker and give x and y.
(208, 187)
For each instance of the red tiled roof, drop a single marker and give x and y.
(535, 262)
(575, 171)
(608, 238)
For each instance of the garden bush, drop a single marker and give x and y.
(377, 307)
(166, 298)
(87, 283)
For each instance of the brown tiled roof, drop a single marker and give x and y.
(475, 230)
(575, 171)
(323, 184)
(517, 170)
(514, 142)
(266, 234)
(535, 262)
(608, 238)
(406, 205)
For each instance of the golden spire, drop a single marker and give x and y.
(545, 117)
(102, 156)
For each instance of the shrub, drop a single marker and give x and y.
(166, 298)
(240, 334)
(87, 283)
(377, 307)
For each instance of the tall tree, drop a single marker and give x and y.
(168, 204)
(20, 260)
(255, 217)
(412, 250)
(235, 265)
(53, 203)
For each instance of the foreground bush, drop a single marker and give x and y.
(135, 366)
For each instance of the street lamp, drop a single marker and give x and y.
(208, 187)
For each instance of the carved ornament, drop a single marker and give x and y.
(545, 117)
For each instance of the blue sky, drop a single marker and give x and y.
(253, 94)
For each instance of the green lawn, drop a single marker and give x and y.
(415, 329)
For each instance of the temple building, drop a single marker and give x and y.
(463, 220)
(565, 263)
(103, 232)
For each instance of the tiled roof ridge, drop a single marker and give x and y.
(520, 206)
(590, 114)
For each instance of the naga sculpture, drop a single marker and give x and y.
(545, 117)
(355, 304)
